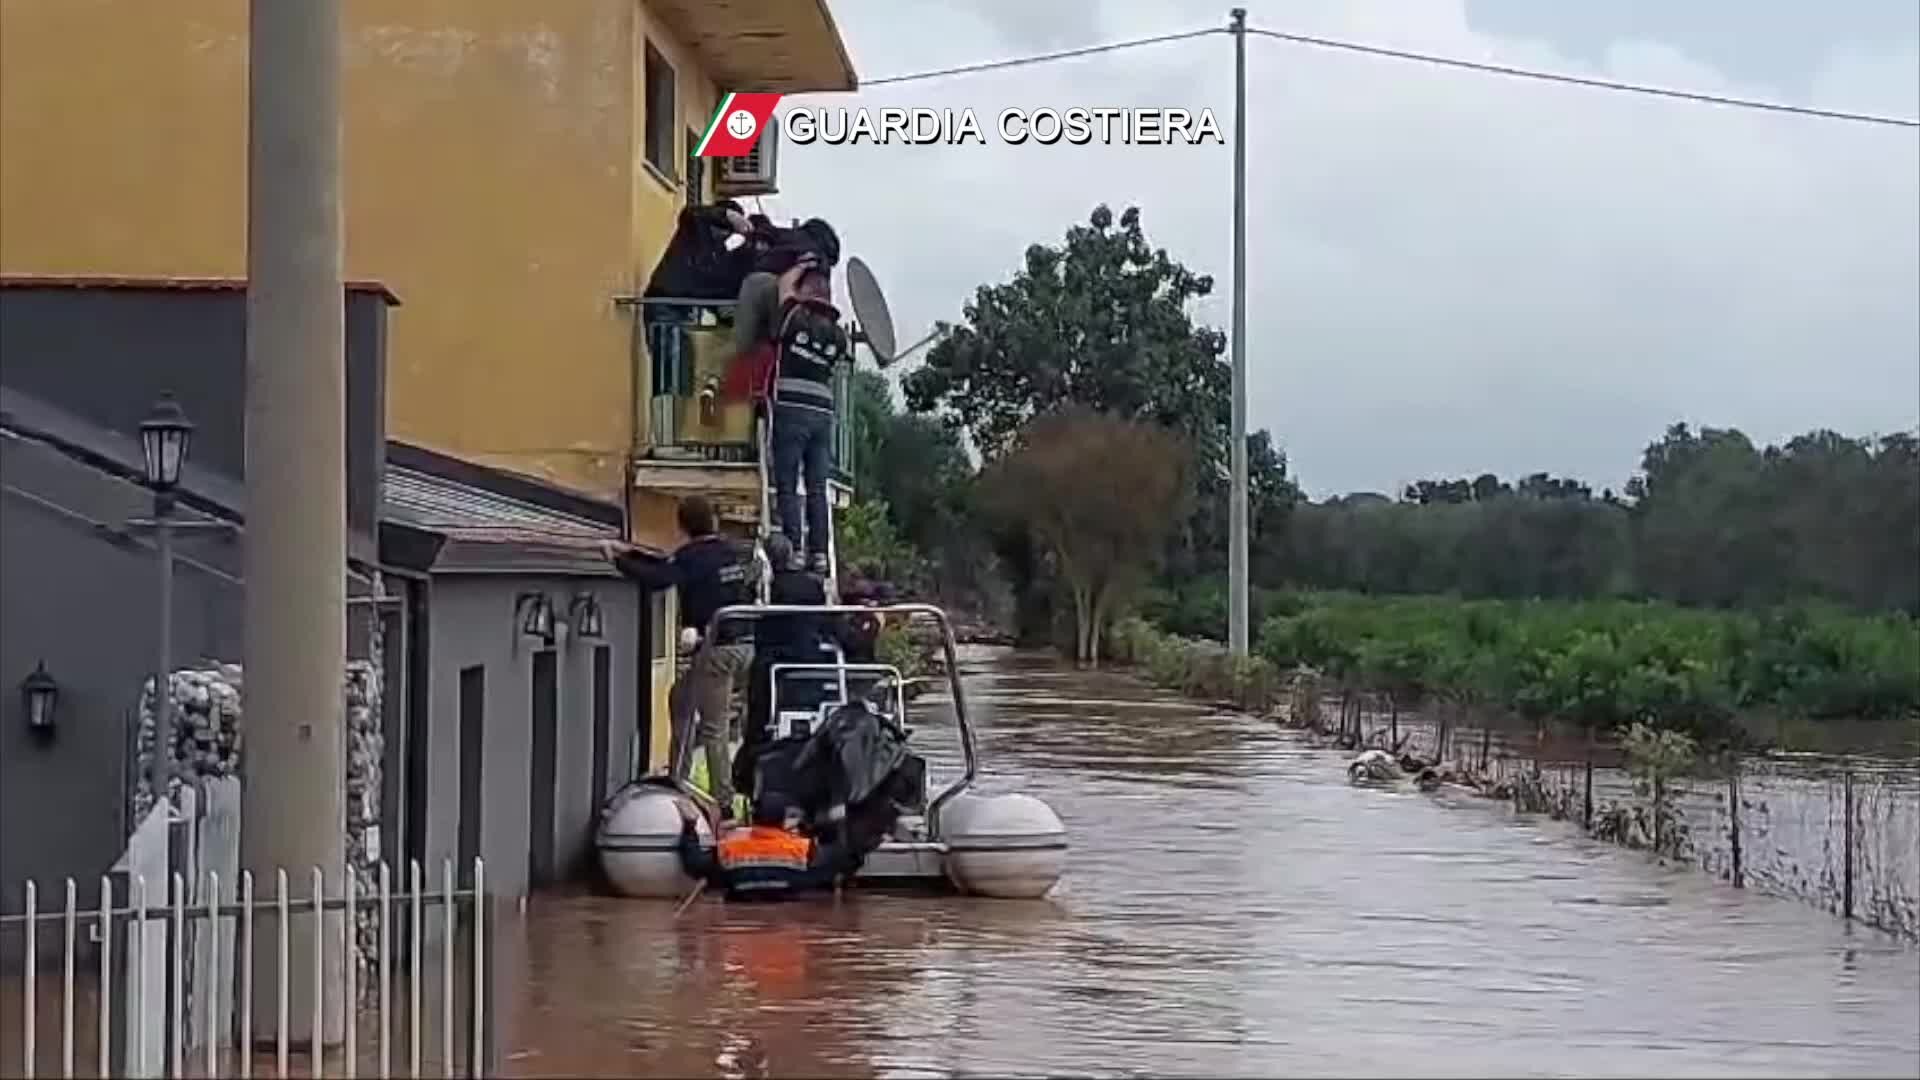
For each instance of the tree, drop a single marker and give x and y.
(1100, 321)
(1699, 529)
(913, 472)
(1099, 493)
(915, 464)
(1720, 521)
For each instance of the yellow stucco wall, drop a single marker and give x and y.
(651, 519)
(493, 179)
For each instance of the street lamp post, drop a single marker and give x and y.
(164, 437)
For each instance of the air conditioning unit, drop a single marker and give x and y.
(755, 174)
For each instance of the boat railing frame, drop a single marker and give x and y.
(949, 646)
(888, 673)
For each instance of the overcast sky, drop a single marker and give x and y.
(1448, 273)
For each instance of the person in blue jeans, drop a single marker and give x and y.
(812, 345)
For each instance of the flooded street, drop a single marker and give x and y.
(1231, 907)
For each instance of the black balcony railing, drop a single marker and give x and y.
(687, 345)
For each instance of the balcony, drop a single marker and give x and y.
(690, 434)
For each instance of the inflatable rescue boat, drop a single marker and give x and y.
(1005, 845)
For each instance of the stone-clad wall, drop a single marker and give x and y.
(208, 741)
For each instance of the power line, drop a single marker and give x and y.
(1043, 58)
(1695, 96)
(1581, 80)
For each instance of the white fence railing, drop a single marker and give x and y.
(186, 976)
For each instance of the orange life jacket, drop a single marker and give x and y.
(763, 847)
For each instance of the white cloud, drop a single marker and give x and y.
(1448, 273)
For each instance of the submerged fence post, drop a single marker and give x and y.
(1659, 803)
(1586, 802)
(1846, 873)
(1733, 823)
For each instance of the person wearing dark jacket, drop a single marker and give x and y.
(769, 859)
(785, 318)
(781, 639)
(703, 260)
(710, 572)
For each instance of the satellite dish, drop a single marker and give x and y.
(872, 322)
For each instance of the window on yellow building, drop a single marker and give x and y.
(662, 115)
(696, 171)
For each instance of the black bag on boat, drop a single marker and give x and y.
(858, 750)
(871, 776)
(854, 776)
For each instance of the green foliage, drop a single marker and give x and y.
(1676, 676)
(915, 464)
(917, 527)
(1711, 520)
(896, 646)
(1654, 756)
(1602, 665)
(1719, 521)
(1538, 540)
(1195, 667)
(1101, 321)
(871, 546)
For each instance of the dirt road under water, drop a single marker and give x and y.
(1231, 907)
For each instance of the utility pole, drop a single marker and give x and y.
(1237, 516)
(293, 806)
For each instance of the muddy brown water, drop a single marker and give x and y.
(1231, 907)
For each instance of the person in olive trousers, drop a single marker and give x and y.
(711, 572)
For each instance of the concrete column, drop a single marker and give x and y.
(294, 805)
(1239, 595)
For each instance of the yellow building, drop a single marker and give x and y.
(513, 169)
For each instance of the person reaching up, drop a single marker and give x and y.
(711, 572)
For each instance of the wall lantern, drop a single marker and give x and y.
(39, 693)
(535, 615)
(164, 436)
(588, 621)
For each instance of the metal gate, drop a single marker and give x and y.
(209, 977)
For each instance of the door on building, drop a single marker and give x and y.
(410, 841)
(602, 729)
(540, 768)
(473, 744)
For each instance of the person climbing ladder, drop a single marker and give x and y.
(788, 337)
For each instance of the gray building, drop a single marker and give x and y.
(526, 667)
(496, 741)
